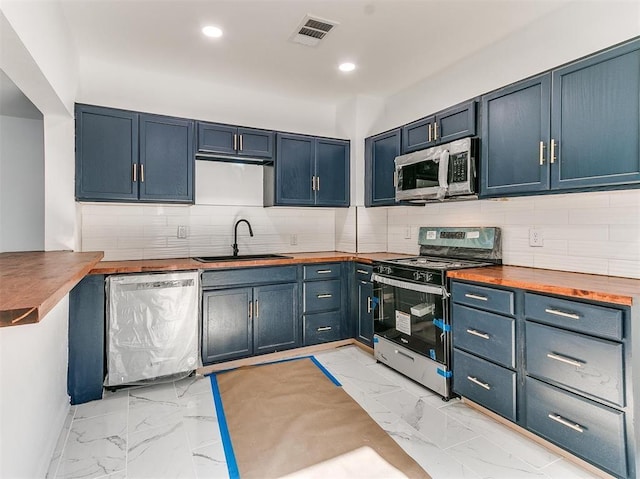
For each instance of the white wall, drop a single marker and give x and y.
(21, 184)
(33, 393)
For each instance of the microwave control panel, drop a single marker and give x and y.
(458, 167)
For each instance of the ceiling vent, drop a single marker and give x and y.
(311, 30)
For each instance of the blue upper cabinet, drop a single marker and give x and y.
(166, 159)
(379, 169)
(515, 130)
(448, 125)
(106, 154)
(332, 172)
(128, 156)
(595, 120)
(229, 142)
(308, 171)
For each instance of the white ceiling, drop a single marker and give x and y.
(395, 43)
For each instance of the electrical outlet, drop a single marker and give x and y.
(407, 232)
(182, 232)
(535, 237)
(293, 240)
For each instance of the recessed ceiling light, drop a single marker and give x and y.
(212, 31)
(347, 67)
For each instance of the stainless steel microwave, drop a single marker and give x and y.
(446, 171)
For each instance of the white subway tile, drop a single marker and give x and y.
(606, 249)
(627, 269)
(624, 232)
(603, 216)
(625, 198)
(137, 242)
(517, 258)
(580, 264)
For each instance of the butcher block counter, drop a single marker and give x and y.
(32, 283)
(177, 264)
(609, 289)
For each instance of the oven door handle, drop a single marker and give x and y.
(422, 288)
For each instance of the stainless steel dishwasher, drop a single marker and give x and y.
(152, 326)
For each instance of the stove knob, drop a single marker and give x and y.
(417, 275)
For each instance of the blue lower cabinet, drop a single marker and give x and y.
(275, 318)
(322, 327)
(86, 370)
(588, 429)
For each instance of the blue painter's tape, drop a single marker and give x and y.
(432, 354)
(444, 374)
(376, 340)
(326, 373)
(439, 323)
(230, 456)
(376, 301)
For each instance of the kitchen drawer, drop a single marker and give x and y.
(581, 317)
(322, 327)
(322, 295)
(591, 365)
(322, 271)
(252, 276)
(363, 272)
(491, 386)
(588, 429)
(484, 334)
(491, 299)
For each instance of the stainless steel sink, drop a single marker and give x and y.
(242, 257)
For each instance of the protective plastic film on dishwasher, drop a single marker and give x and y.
(152, 326)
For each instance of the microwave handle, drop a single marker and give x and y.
(422, 288)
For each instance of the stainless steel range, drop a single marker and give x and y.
(411, 316)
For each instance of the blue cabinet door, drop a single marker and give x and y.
(595, 118)
(364, 333)
(380, 152)
(457, 122)
(515, 131)
(217, 138)
(255, 143)
(166, 159)
(226, 327)
(275, 318)
(106, 154)
(332, 172)
(294, 170)
(418, 135)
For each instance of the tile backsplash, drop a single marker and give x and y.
(151, 231)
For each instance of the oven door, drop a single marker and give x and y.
(413, 315)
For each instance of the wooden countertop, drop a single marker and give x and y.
(609, 289)
(32, 283)
(176, 264)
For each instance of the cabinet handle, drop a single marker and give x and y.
(430, 133)
(552, 151)
(395, 178)
(565, 360)
(240, 142)
(313, 183)
(479, 383)
(324, 328)
(564, 422)
(541, 153)
(478, 333)
(257, 313)
(362, 271)
(562, 313)
(250, 309)
(323, 271)
(141, 173)
(135, 172)
(476, 296)
(404, 354)
(368, 304)
(235, 142)
(317, 183)
(324, 296)
(435, 131)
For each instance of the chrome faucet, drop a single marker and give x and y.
(235, 235)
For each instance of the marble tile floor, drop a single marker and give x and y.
(170, 430)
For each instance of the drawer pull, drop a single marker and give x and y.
(323, 271)
(324, 296)
(565, 360)
(476, 296)
(324, 328)
(479, 383)
(362, 271)
(478, 333)
(562, 313)
(564, 422)
(404, 354)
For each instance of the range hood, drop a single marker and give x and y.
(233, 159)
